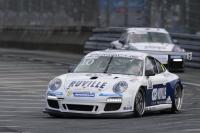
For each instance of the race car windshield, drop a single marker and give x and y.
(154, 37)
(111, 65)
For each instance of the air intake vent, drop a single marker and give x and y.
(93, 77)
(53, 104)
(112, 106)
(80, 107)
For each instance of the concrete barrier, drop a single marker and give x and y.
(45, 38)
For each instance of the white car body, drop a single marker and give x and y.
(95, 90)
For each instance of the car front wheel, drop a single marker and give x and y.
(139, 104)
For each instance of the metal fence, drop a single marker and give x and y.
(102, 37)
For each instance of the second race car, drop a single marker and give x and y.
(157, 42)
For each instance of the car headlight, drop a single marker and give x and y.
(54, 84)
(120, 87)
(178, 49)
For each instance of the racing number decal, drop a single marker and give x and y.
(87, 62)
(159, 94)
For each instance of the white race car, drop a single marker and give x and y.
(114, 82)
(153, 39)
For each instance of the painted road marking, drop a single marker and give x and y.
(21, 107)
(20, 103)
(193, 84)
(21, 99)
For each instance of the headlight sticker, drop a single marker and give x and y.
(120, 87)
(84, 94)
(55, 84)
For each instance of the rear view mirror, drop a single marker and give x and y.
(149, 73)
(122, 42)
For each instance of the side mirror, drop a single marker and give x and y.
(122, 42)
(175, 41)
(149, 73)
(71, 68)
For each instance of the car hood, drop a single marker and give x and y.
(95, 82)
(152, 46)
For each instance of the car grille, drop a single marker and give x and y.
(112, 106)
(77, 107)
(53, 103)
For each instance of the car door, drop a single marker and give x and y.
(156, 84)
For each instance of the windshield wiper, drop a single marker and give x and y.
(106, 69)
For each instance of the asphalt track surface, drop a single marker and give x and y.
(23, 80)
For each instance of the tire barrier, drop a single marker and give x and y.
(102, 37)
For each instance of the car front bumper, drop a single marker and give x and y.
(89, 106)
(71, 114)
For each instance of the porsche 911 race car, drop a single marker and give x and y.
(114, 82)
(157, 42)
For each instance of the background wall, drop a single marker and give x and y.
(175, 15)
(46, 13)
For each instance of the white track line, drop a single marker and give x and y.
(6, 115)
(21, 107)
(36, 96)
(7, 99)
(9, 127)
(17, 103)
(8, 111)
(193, 84)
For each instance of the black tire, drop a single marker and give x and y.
(139, 104)
(178, 99)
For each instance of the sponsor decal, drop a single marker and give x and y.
(69, 93)
(84, 94)
(112, 55)
(87, 62)
(159, 94)
(149, 84)
(127, 108)
(155, 47)
(168, 101)
(50, 93)
(92, 84)
(110, 94)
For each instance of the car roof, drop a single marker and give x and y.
(119, 53)
(159, 30)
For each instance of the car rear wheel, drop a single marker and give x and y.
(178, 99)
(139, 104)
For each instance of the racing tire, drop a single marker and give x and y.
(178, 99)
(139, 104)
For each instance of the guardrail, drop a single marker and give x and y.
(102, 37)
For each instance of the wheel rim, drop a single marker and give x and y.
(140, 103)
(178, 97)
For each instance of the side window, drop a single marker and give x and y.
(160, 67)
(124, 37)
(151, 65)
